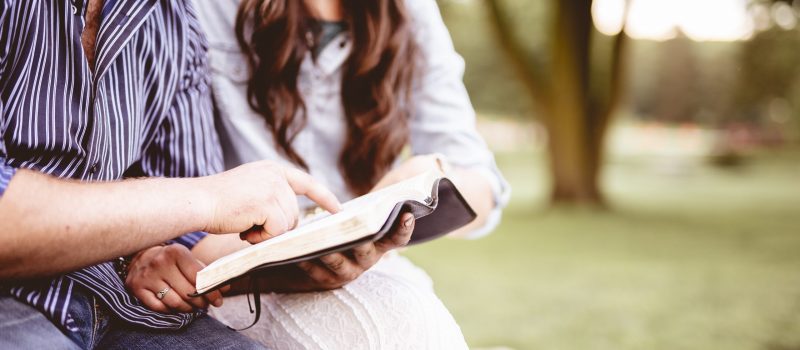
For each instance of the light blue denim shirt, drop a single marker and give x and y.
(443, 121)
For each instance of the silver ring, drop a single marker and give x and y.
(162, 293)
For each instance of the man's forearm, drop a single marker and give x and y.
(49, 225)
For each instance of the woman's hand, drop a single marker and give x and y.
(334, 270)
(475, 188)
(412, 167)
(155, 269)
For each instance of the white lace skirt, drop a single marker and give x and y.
(391, 306)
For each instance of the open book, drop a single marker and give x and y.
(431, 197)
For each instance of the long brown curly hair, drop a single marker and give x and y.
(376, 81)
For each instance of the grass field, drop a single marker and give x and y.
(688, 257)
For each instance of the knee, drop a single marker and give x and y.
(23, 327)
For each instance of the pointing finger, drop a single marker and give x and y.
(304, 184)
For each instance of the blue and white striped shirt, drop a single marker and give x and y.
(145, 110)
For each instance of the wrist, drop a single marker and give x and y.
(181, 204)
(200, 203)
(123, 264)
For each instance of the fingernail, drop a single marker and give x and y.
(408, 222)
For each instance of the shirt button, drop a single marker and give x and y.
(342, 44)
(94, 168)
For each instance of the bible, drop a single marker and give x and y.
(431, 197)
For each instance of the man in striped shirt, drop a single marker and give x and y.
(94, 97)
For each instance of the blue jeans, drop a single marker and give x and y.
(23, 327)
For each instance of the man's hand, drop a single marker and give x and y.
(173, 266)
(259, 199)
(334, 270)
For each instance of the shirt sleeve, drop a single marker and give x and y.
(5, 34)
(189, 240)
(444, 119)
(187, 144)
(6, 173)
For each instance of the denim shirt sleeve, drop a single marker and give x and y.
(444, 120)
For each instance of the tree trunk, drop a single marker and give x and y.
(575, 115)
(574, 151)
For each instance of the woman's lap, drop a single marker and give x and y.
(390, 306)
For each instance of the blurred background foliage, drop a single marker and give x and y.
(714, 82)
(693, 241)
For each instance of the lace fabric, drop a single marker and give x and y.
(391, 306)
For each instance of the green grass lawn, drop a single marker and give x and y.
(688, 257)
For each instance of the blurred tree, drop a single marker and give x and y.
(765, 94)
(683, 81)
(575, 99)
(768, 79)
(677, 87)
(493, 86)
(769, 69)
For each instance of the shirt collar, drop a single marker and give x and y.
(333, 56)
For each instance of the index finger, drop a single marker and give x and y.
(303, 184)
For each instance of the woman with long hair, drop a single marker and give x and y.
(360, 94)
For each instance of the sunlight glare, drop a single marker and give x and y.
(761, 17)
(784, 15)
(608, 15)
(716, 20)
(653, 19)
(706, 20)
